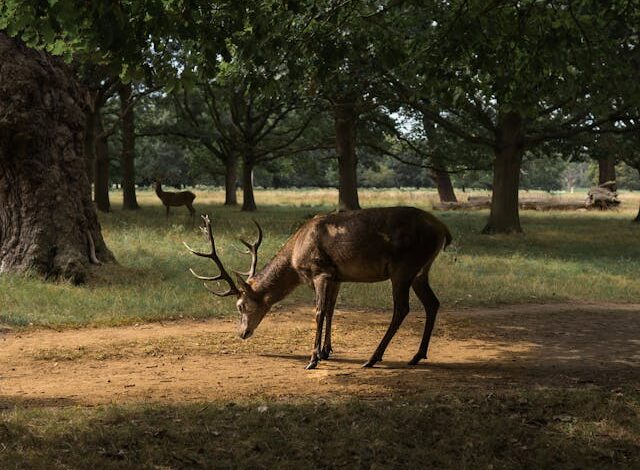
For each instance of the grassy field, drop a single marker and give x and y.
(577, 256)
(559, 418)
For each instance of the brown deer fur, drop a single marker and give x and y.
(181, 198)
(370, 245)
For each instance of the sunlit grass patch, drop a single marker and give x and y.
(589, 256)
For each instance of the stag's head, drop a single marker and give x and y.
(251, 306)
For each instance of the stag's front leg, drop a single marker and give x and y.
(325, 301)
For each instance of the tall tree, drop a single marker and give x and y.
(330, 50)
(606, 169)
(128, 152)
(510, 76)
(100, 87)
(235, 118)
(48, 222)
(204, 120)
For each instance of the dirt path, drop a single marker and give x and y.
(532, 346)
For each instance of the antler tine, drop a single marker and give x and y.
(224, 275)
(219, 294)
(243, 252)
(253, 250)
(205, 278)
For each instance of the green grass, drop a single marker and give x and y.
(532, 429)
(586, 256)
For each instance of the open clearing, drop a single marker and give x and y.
(525, 347)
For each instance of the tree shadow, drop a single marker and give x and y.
(545, 430)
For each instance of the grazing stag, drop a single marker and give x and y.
(370, 245)
(181, 198)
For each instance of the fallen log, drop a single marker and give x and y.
(480, 202)
(603, 197)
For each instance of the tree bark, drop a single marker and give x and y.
(48, 222)
(606, 170)
(345, 117)
(230, 179)
(443, 183)
(101, 176)
(128, 155)
(504, 216)
(248, 201)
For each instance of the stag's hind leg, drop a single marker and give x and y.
(326, 347)
(431, 305)
(400, 285)
(192, 211)
(326, 293)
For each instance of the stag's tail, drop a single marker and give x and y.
(447, 237)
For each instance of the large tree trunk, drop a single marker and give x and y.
(101, 176)
(504, 216)
(48, 223)
(443, 183)
(606, 170)
(128, 155)
(230, 179)
(345, 126)
(248, 201)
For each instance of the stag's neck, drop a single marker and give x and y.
(159, 190)
(278, 278)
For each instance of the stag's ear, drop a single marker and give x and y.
(243, 286)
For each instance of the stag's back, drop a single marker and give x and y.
(170, 198)
(366, 245)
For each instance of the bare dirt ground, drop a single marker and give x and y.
(529, 346)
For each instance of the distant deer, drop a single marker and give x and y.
(370, 245)
(181, 198)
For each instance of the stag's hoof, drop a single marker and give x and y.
(325, 353)
(312, 365)
(416, 359)
(369, 363)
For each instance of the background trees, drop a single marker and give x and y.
(420, 94)
(512, 76)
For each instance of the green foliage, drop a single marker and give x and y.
(627, 177)
(129, 36)
(543, 173)
(565, 67)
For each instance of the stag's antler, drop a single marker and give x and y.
(253, 251)
(224, 275)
